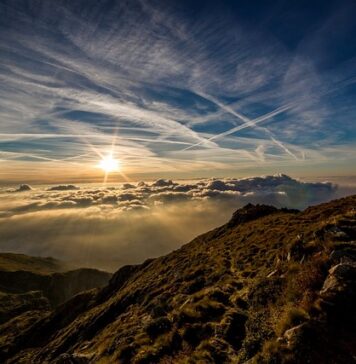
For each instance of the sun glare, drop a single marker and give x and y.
(109, 164)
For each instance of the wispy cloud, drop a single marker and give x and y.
(168, 87)
(247, 123)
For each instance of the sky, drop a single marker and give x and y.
(176, 89)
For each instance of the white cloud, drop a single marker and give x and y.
(279, 190)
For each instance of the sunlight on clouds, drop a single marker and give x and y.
(116, 224)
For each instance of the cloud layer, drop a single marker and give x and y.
(279, 190)
(127, 223)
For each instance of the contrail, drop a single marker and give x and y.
(248, 123)
(224, 107)
(284, 148)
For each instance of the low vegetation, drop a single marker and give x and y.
(261, 289)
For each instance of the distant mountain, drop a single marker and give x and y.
(11, 262)
(33, 283)
(270, 286)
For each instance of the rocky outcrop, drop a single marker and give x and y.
(340, 281)
(12, 305)
(251, 212)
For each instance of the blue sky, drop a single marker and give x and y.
(176, 89)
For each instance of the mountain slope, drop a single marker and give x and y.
(270, 286)
(57, 287)
(34, 283)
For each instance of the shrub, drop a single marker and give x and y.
(158, 311)
(146, 356)
(158, 327)
(195, 333)
(292, 317)
(209, 310)
(306, 281)
(219, 296)
(127, 352)
(165, 345)
(266, 292)
(241, 303)
(213, 350)
(233, 328)
(195, 285)
(271, 353)
(202, 311)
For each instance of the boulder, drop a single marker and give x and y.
(339, 287)
(293, 336)
(249, 213)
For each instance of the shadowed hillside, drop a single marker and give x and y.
(34, 283)
(270, 286)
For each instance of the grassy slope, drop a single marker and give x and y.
(224, 297)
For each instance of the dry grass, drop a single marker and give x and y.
(224, 297)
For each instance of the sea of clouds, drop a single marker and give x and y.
(108, 226)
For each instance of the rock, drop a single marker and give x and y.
(336, 233)
(343, 271)
(296, 249)
(294, 335)
(339, 286)
(251, 212)
(342, 256)
(71, 359)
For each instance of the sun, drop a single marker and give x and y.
(109, 164)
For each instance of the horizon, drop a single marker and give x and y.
(106, 105)
(114, 224)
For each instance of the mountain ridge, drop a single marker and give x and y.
(253, 290)
(30, 283)
(12, 262)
